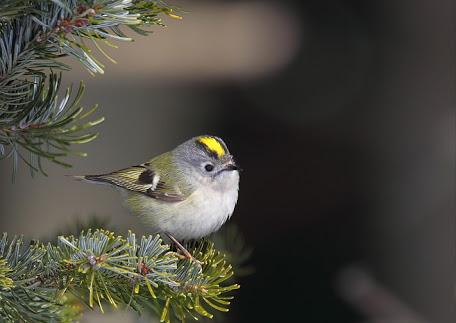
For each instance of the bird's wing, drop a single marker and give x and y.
(146, 180)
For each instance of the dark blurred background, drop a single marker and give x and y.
(340, 112)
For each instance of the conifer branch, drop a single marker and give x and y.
(52, 282)
(34, 35)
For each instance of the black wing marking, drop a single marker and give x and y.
(142, 180)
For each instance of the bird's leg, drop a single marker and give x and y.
(186, 255)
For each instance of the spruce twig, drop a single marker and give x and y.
(50, 282)
(34, 35)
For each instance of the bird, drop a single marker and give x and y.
(186, 193)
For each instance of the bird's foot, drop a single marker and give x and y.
(188, 257)
(185, 254)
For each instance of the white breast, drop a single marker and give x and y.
(202, 213)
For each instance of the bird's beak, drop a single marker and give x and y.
(231, 165)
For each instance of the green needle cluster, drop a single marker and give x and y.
(56, 281)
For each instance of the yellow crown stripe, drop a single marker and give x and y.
(213, 145)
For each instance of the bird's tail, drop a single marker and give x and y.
(89, 178)
(78, 177)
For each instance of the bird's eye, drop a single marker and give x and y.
(209, 167)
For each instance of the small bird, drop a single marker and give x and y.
(186, 193)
